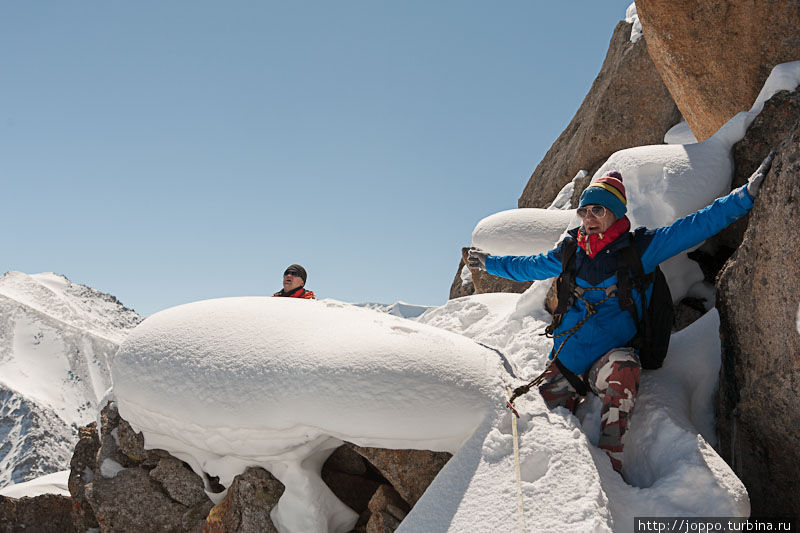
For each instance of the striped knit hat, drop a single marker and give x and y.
(607, 191)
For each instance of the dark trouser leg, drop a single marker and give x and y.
(615, 379)
(557, 392)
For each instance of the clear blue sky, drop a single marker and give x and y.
(172, 151)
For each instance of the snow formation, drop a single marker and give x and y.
(465, 275)
(522, 231)
(680, 133)
(563, 199)
(55, 483)
(632, 17)
(278, 382)
(55, 341)
(401, 309)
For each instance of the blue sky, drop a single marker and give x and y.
(167, 152)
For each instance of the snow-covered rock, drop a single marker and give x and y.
(280, 383)
(523, 231)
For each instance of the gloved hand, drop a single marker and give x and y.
(476, 258)
(754, 183)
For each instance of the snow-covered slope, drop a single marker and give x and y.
(568, 484)
(400, 309)
(55, 340)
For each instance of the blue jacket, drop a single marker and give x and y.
(612, 327)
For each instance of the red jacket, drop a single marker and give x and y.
(299, 292)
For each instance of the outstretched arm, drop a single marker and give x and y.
(518, 268)
(693, 229)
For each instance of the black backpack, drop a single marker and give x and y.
(654, 328)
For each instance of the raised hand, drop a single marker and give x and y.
(754, 183)
(476, 258)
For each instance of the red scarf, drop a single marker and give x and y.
(592, 244)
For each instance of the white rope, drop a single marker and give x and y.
(520, 508)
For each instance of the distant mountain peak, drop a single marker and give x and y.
(56, 339)
(77, 305)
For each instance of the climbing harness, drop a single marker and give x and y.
(520, 508)
(574, 380)
(653, 324)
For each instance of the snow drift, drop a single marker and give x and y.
(229, 383)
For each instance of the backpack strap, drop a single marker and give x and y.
(565, 284)
(580, 385)
(631, 263)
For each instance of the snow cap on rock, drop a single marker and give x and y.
(607, 191)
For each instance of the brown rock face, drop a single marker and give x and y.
(483, 282)
(116, 483)
(351, 479)
(758, 413)
(81, 473)
(48, 513)
(409, 471)
(628, 105)
(767, 131)
(246, 507)
(458, 288)
(714, 56)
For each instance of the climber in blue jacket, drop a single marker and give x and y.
(596, 347)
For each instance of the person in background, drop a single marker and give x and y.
(294, 280)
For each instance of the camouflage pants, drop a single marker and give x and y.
(614, 378)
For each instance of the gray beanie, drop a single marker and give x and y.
(299, 269)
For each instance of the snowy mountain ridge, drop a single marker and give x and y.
(56, 338)
(74, 304)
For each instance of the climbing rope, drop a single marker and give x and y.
(520, 508)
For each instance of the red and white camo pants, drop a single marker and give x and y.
(614, 378)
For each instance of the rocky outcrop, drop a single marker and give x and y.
(246, 507)
(628, 105)
(767, 131)
(760, 377)
(387, 510)
(461, 287)
(353, 480)
(715, 56)
(81, 472)
(409, 471)
(48, 513)
(483, 282)
(116, 483)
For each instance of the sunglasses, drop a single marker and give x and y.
(597, 210)
(291, 273)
